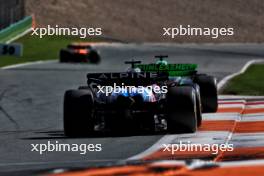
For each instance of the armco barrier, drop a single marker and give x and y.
(15, 29)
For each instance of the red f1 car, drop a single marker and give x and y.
(79, 52)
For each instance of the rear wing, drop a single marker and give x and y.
(171, 69)
(126, 78)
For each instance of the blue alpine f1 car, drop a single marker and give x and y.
(151, 97)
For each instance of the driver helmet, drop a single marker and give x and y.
(162, 62)
(133, 70)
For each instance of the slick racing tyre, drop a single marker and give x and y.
(181, 110)
(94, 57)
(64, 56)
(78, 112)
(208, 87)
(198, 105)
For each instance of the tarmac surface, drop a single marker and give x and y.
(31, 103)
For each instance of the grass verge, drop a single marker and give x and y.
(249, 83)
(46, 48)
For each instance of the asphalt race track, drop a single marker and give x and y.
(31, 100)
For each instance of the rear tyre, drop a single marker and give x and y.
(94, 57)
(78, 112)
(84, 88)
(64, 56)
(147, 123)
(208, 87)
(198, 105)
(181, 110)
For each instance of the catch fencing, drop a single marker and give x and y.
(11, 11)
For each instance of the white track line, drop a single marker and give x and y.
(27, 64)
(253, 117)
(241, 163)
(222, 163)
(221, 116)
(19, 35)
(238, 97)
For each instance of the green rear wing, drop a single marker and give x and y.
(171, 69)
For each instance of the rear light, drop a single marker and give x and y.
(81, 51)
